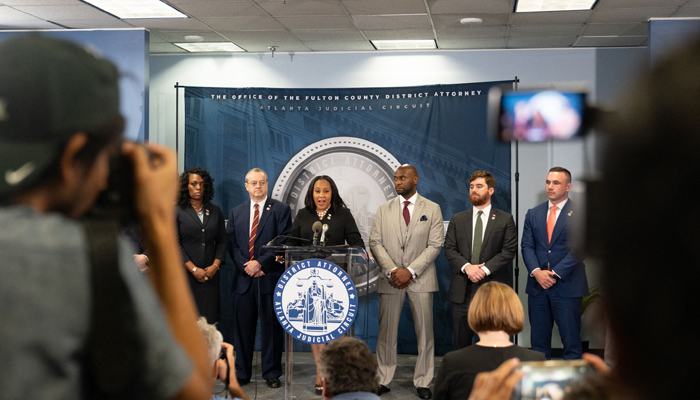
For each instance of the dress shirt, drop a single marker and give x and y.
(261, 205)
(560, 206)
(484, 221)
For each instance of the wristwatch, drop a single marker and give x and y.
(194, 269)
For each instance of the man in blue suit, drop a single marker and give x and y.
(557, 278)
(251, 225)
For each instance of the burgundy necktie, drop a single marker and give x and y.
(253, 233)
(406, 214)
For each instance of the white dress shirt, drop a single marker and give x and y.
(261, 205)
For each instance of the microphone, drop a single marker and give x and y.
(316, 227)
(323, 234)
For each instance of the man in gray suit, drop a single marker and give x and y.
(406, 237)
(480, 245)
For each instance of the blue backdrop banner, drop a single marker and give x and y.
(358, 136)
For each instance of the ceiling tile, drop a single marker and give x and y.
(242, 24)
(472, 32)
(444, 20)
(687, 12)
(610, 41)
(398, 34)
(218, 9)
(345, 45)
(554, 17)
(152, 38)
(40, 2)
(633, 28)
(693, 3)
(10, 14)
(209, 1)
(88, 23)
(317, 22)
(541, 42)
(631, 15)
(609, 4)
(470, 6)
(328, 35)
(545, 30)
(165, 48)
(485, 43)
(179, 36)
(173, 24)
(82, 11)
(391, 22)
(260, 40)
(27, 24)
(374, 7)
(301, 8)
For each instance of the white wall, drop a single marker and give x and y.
(390, 69)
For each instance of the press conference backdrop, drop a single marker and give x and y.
(358, 136)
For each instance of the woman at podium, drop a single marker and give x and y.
(323, 203)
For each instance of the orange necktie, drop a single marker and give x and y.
(551, 220)
(253, 233)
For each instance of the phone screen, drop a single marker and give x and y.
(549, 380)
(536, 116)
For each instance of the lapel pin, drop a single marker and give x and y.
(329, 217)
(268, 207)
(570, 212)
(493, 217)
(207, 213)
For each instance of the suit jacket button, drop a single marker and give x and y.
(549, 251)
(202, 230)
(203, 244)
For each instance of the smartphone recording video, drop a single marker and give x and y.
(536, 115)
(549, 380)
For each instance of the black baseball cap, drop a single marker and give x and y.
(50, 89)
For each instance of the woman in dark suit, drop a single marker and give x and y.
(203, 241)
(323, 203)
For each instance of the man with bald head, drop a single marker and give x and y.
(406, 238)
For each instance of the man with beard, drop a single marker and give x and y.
(557, 281)
(480, 245)
(405, 240)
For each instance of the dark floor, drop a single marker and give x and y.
(304, 374)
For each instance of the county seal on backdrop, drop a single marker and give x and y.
(315, 301)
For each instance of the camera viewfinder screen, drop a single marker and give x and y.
(540, 116)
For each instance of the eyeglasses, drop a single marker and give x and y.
(256, 183)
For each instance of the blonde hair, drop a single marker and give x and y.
(496, 307)
(212, 337)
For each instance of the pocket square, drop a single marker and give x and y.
(424, 218)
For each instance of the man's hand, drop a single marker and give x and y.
(597, 363)
(545, 278)
(252, 267)
(401, 277)
(141, 262)
(157, 184)
(259, 274)
(474, 272)
(498, 384)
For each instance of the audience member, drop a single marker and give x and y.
(650, 158)
(348, 370)
(495, 314)
(221, 357)
(59, 125)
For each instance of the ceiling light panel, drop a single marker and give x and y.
(404, 44)
(127, 9)
(209, 47)
(553, 5)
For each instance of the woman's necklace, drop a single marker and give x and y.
(321, 214)
(198, 210)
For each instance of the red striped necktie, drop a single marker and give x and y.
(253, 233)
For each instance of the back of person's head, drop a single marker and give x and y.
(51, 90)
(496, 307)
(650, 242)
(347, 365)
(212, 337)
